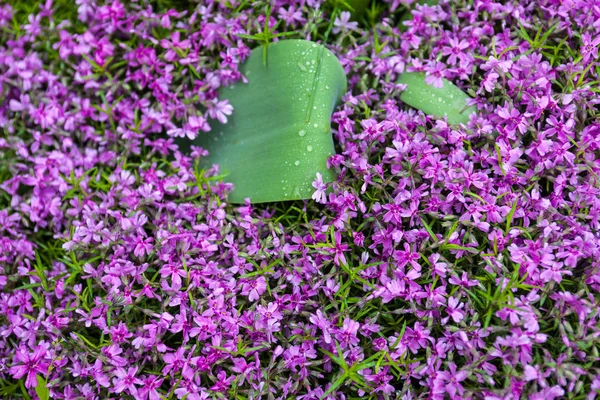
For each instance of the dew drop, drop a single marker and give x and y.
(440, 99)
(314, 107)
(316, 125)
(309, 148)
(302, 132)
(297, 163)
(302, 67)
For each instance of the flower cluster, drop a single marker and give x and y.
(445, 262)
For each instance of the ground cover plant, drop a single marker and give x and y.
(445, 260)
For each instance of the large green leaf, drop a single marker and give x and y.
(448, 101)
(279, 135)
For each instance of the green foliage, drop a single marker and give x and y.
(41, 389)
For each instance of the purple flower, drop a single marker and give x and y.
(338, 249)
(489, 83)
(589, 48)
(455, 50)
(319, 195)
(30, 364)
(254, 288)
(434, 74)
(322, 323)
(452, 380)
(346, 335)
(149, 389)
(220, 110)
(126, 380)
(223, 383)
(342, 23)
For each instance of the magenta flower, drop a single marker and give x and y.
(434, 74)
(322, 323)
(319, 195)
(589, 48)
(220, 110)
(342, 23)
(452, 380)
(149, 389)
(455, 50)
(338, 249)
(222, 383)
(346, 335)
(126, 380)
(30, 364)
(254, 288)
(489, 83)
(453, 308)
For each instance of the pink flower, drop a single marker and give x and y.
(126, 380)
(319, 195)
(489, 82)
(220, 110)
(254, 288)
(434, 74)
(149, 388)
(342, 23)
(453, 379)
(454, 309)
(23, 104)
(589, 48)
(455, 50)
(30, 364)
(346, 335)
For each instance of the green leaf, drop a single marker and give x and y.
(279, 135)
(24, 390)
(334, 386)
(41, 390)
(510, 215)
(447, 101)
(450, 246)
